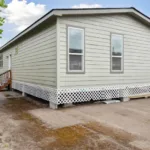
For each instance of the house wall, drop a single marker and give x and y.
(97, 51)
(35, 62)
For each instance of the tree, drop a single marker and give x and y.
(2, 6)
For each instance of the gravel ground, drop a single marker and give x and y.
(12, 129)
(19, 130)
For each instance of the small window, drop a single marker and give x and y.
(116, 53)
(1, 60)
(75, 49)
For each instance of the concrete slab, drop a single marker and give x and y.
(80, 129)
(55, 119)
(132, 117)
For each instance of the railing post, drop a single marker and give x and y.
(10, 79)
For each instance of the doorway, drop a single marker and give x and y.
(9, 62)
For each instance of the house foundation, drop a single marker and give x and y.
(68, 96)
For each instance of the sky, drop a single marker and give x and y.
(21, 13)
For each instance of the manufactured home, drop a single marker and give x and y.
(78, 55)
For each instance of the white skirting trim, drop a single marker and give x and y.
(46, 93)
(73, 95)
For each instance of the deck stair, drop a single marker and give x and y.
(5, 80)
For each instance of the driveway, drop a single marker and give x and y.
(28, 126)
(130, 118)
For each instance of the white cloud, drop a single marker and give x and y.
(87, 6)
(23, 14)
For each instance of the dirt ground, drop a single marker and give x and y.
(28, 125)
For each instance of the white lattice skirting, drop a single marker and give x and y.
(74, 95)
(71, 95)
(46, 93)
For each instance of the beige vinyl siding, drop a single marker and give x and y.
(5, 62)
(98, 31)
(36, 59)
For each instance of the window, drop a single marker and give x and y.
(116, 53)
(75, 49)
(1, 60)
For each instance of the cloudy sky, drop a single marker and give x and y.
(21, 13)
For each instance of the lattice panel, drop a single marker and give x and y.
(46, 93)
(17, 85)
(73, 95)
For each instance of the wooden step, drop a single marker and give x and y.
(5, 80)
(140, 96)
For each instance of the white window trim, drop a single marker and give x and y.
(79, 54)
(122, 56)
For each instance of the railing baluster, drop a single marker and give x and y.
(5, 79)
